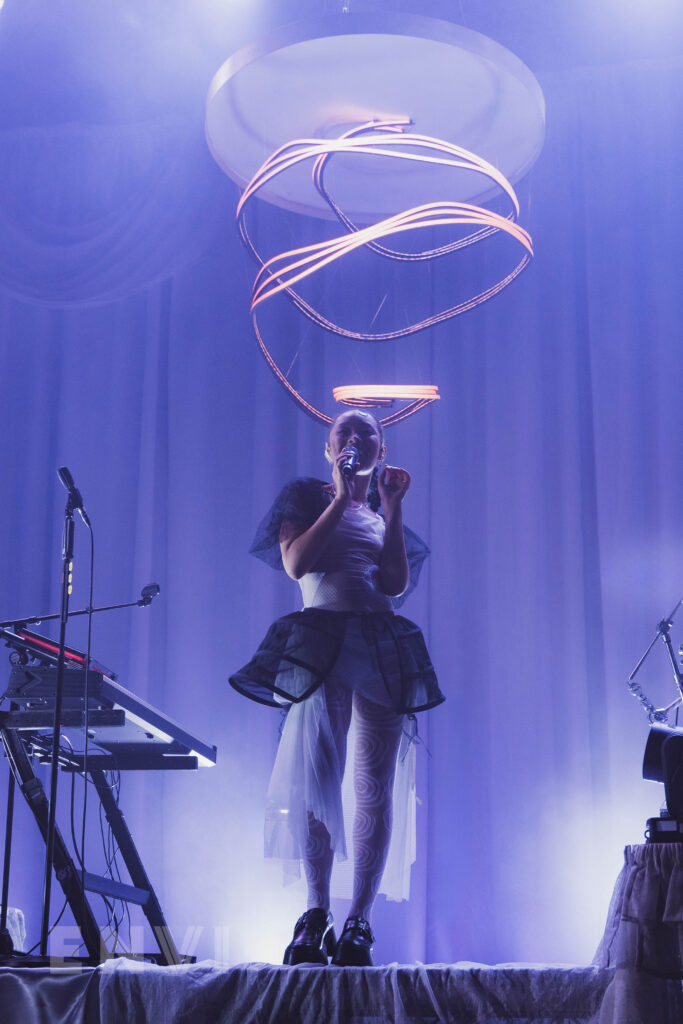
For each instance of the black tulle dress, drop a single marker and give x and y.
(348, 635)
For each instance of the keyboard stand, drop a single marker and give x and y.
(68, 873)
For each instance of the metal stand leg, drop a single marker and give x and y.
(65, 869)
(150, 906)
(6, 944)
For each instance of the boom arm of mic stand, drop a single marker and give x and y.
(672, 658)
(142, 602)
(663, 632)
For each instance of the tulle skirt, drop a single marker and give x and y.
(384, 657)
(301, 650)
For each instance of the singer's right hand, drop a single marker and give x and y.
(342, 483)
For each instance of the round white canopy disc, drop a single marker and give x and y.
(317, 79)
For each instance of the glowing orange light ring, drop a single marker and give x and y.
(346, 392)
(272, 279)
(318, 181)
(276, 275)
(374, 396)
(316, 414)
(351, 142)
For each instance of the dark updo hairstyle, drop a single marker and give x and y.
(374, 500)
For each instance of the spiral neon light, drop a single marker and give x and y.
(282, 272)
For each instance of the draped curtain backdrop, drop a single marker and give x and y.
(547, 483)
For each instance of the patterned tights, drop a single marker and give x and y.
(378, 731)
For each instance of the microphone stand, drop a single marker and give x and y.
(663, 633)
(67, 576)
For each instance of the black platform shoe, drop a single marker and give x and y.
(313, 940)
(354, 948)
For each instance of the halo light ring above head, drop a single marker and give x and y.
(275, 275)
(317, 414)
(376, 396)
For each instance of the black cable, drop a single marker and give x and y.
(87, 781)
(117, 797)
(109, 849)
(114, 862)
(59, 918)
(86, 707)
(72, 821)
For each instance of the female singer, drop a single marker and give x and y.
(346, 655)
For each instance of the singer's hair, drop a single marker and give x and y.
(374, 500)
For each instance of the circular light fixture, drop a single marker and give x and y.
(415, 115)
(315, 79)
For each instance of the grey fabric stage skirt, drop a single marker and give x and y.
(209, 993)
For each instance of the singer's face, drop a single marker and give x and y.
(360, 430)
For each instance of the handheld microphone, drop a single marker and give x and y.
(75, 497)
(351, 460)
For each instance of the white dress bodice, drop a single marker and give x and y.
(345, 577)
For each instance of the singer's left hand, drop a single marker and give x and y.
(392, 484)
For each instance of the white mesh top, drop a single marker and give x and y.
(345, 577)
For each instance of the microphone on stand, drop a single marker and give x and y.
(351, 459)
(75, 498)
(149, 592)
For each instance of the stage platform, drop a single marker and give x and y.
(636, 978)
(464, 993)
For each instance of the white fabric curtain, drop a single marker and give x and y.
(93, 213)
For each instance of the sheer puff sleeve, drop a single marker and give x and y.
(299, 503)
(417, 551)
